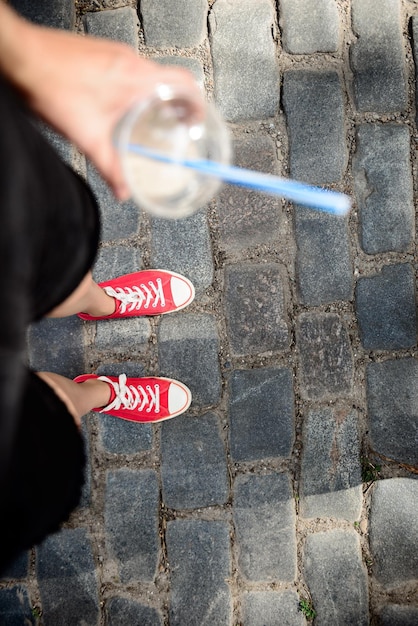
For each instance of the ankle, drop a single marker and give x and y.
(107, 306)
(99, 392)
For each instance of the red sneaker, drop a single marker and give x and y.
(149, 292)
(143, 399)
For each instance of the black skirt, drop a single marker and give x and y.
(49, 233)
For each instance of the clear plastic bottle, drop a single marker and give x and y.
(174, 124)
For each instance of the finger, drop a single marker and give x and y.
(115, 178)
(122, 192)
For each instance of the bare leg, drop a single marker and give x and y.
(87, 298)
(80, 398)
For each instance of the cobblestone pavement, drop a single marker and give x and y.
(293, 476)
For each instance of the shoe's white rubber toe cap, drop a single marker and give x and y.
(179, 398)
(182, 291)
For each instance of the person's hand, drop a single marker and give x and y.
(85, 85)
(82, 86)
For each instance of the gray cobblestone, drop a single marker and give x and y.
(323, 260)
(124, 336)
(244, 59)
(185, 250)
(264, 517)
(123, 437)
(261, 413)
(116, 261)
(378, 56)
(193, 65)
(249, 218)
(394, 531)
(132, 503)
(198, 553)
(326, 360)
(269, 608)
(67, 579)
(314, 107)
(386, 309)
(331, 484)
(188, 346)
(121, 611)
(119, 219)
(255, 308)
(117, 24)
(397, 615)
(309, 26)
(392, 399)
(384, 190)
(331, 558)
(130, 368)
(194, 468)
(57, 345)
(178, 25)
(52, 13)
(15, 608)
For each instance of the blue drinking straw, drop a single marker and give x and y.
(300, 193)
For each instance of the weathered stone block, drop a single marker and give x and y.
(323, 259)
(131, 523)
(67, 579)
(394, 531)
(331, 484)
(123, 437)
(378, 56)
(314, 106)
(121, 611)
(398, 615)
(256, 308)
(199, 557)
(270, 608)
(384, 188)
(309, 26)
(57, 345)
(193, 65)
(117, 24)
(179, 25)
(245, 66)
(184, 249)
(261, 413)
(52, 13)
(194, 467)
(123, 336)
(326, 360)
(386, 308)
(264, 517)
(115, 261)
(329, 559)
(188, 346)
(392, 398)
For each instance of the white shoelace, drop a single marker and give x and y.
(138, 296)
(133, 397)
